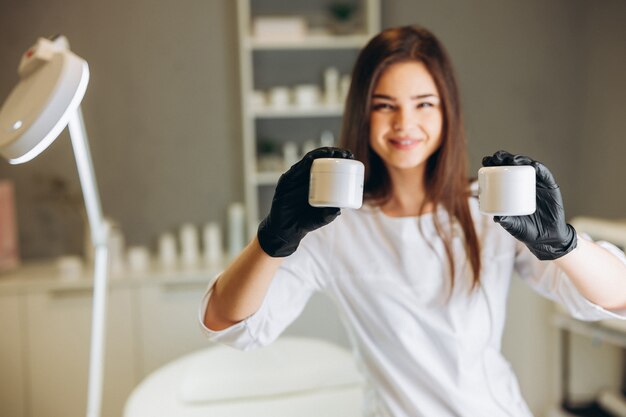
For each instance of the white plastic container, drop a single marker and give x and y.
(278, 97)
(189, 244)
(168, 256)
(331, 85)
(507, 190)
(138, 258)
(236, 229)
(213, 249)
(336, 182)
(306, 96)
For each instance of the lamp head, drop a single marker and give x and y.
(53, 81)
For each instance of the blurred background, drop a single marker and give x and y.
(162, 110)
(163, 113)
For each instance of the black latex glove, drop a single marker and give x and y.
(291, 217)
(545, 232)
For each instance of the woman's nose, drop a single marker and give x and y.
(403, 121)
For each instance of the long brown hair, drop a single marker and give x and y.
(445, 180)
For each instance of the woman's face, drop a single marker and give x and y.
(406, 117)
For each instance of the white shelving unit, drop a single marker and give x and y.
(314, 43)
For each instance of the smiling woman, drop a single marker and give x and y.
(418, 275)
(404, 98)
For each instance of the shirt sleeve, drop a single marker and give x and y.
(300, 275)
(550, 281)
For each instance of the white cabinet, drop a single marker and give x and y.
(58, 326)
(12, 381)
(286, 61)
(45, 323)
(167, 322)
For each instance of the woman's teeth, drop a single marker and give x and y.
(406, 141)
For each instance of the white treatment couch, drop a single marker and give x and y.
(293, 377)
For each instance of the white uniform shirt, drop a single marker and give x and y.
(421, 353)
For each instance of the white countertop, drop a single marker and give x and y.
(45, 275)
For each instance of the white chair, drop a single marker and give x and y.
(292, 377)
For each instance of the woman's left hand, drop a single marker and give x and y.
(545, 232)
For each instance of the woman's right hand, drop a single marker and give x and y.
(291, 217)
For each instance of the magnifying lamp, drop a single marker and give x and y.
(53, 81)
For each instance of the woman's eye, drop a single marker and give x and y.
(382, 106)
(425, 105)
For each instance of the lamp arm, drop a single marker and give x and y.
(78, 135)
(99, 236)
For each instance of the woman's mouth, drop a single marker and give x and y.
(405, 143)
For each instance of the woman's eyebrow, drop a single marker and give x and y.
(424, 96)
(417, 97)
(384, 97)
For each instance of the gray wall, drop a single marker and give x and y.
(161, 113)
(602, 136)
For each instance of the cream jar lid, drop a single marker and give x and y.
(338, 165)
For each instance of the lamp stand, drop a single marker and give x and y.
(99, 236)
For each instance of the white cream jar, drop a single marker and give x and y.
(336, 182)
(507, 190)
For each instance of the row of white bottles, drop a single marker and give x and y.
(203, 246)
(188, 247)
(192, 253)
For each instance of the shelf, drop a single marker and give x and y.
(293, 112)
(611, 331)
(308, 42)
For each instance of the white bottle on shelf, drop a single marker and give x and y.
(236, 229)
(331, 86)
(327, 138)
(212, 240)
(117, 247)
(290, 154)
(189, 241)
(344, 87)
(308, 146)
(167, 251)
(279, 97)
(138, 258)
